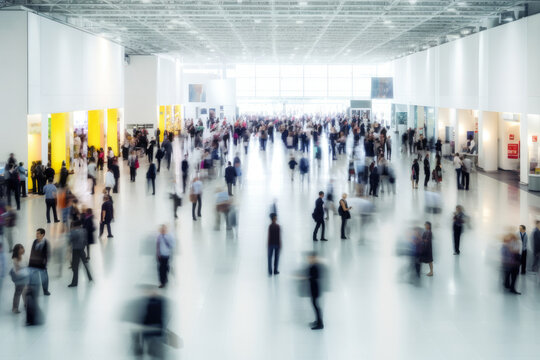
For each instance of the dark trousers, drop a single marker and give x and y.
(457, 238)
(19, 292)
(153, 182)
(373, 188)
(184, 181)
(343, 224)
(168, 161)
(23, 188)
(465, 180)
(273, 251)
(316, 308)
(389, 153)
(15, 189)
(34, 185)
(510, 277)
(51, 204)
(102, 225)
(426, 177)
(536, 259)
(163, 269)
(40, 185)
(523, 261)
(93, 183)
(458, 176)
(132, 173)
(40, 275)
(158, 164)
(320, 223)
(195, 204)
(150, 156)
(229, 188)
(76, 256)
(115, 188)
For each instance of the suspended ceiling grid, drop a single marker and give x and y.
(238, 31)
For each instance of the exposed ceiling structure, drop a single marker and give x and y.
(311, 31)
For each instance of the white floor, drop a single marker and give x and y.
(226, 306)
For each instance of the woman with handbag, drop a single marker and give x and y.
(344, 212)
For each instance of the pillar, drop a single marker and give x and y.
(523, 149)
(454, 122)
(59, 143)
(95, 128)
(112, 130)
(161, 123)
(488, 125)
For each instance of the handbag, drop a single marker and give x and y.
(136, 163)
(193, 197)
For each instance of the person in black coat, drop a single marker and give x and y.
(427, 247)
(151, 177)
(88, 224)
(374, 181)
(64, 173)
(427, 170)
(318, 216)
(39, 256)
(150, 150)
(185, 171)
(314, 275)
(159, 155)
(107, 215)
(415, 173)
(230, 177)
(116, 172)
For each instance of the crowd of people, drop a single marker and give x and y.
(199, 155)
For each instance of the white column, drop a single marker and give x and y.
(524, 149)
(453, 114)
(488, 125)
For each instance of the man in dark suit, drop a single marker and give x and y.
(116, 172)
(318, 216)
(230, 177)
(39, 255)
(274, 244)
(107, 214)
(427, 169)
(78, 241)
(185, 171)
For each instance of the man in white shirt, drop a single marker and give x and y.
(92, 168)
(457, 167)
(110, 181)
(465, 173)
(195, 197)
(164, 248)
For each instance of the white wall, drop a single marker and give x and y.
(168, 81)
(488, 124)
(495, 70)
(140, 103)
(505, 129)
(71, 70)
(13, 85)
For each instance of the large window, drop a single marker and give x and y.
(307, 81)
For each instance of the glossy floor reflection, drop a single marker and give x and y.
(227, 307)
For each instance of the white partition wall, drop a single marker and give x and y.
(70, 70)
(13, 81)
(140, 103)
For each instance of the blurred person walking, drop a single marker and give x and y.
(230, 177)
(92, 173)
(107, 215)
(427, 170)
(427, 247)
(116, 172)
(23, 179)
(151, 177)
(9, 221)
(185, 172)
(50, 200)
(78, 241)
(415, 174)
(133, 163)
(13, 184)
(344, 212)
(164, 248)
(465, 172)
(318, 216)
(511, 254)
(314, 275)
(39, 257)
(458, 164)
(536, 246)
(19, 276)
(524, 240)
(110, 181)
(196, 196)
(457, 227)
(88, 224)
(274, 244)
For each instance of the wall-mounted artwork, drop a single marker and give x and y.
(382, 88)
(197, 93)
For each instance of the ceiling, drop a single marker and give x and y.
(312, 31)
